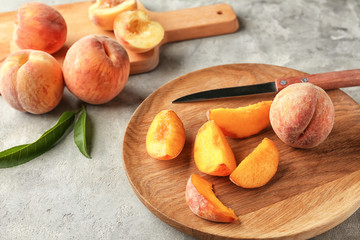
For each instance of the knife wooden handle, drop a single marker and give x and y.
(329, 80)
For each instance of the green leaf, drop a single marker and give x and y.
(23, 153)
(80, 136)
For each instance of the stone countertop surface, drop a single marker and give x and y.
(63, 195)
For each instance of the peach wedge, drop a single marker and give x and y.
(103, 12)
(165, 138)
(258, 167)
(212, 152)
(137, 32)
(202, 201)
(242, 122)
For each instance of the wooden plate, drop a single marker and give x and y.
(312, 191)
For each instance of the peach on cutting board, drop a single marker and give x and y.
(202, 201)
(31, 81)
(212, 152)
(165, 138)
(242, 122)
(258, 167)
(96, 69)
(137, 32)
(40, 27)
(103, 12)
(302, 115)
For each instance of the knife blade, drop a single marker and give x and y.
(329, 80)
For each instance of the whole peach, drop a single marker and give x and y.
(40, 27)
(96, 69)
(302, 115)
(31, 81)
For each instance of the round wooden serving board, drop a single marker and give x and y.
(312, 191)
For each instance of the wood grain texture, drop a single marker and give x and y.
(182, 24)
(329, 80)
(312, 191)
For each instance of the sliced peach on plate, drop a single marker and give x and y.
(137, 32)
(212, 152)
(165, 138)
(242, 122)
(202, 201)
(103, 12)
(258, 167)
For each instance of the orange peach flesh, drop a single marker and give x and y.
(242, 122)
(166, 136)
(258, 167)
(202, 201)
(212, 152)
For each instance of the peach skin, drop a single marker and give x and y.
(40, 27)
(202, 201)
(212, 152)
(165, 138)
(302, 115)
(31, 81)
(96, 69)
(258, 167)
(242, 122)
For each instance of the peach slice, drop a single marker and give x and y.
(242, 122)
(165, 138)
(212, 152)
(202, 201)
(39, 27)
(137, 32)
(258, 167)
(103, 12)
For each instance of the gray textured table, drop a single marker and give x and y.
(62, 195)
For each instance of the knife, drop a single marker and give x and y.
(329, 80)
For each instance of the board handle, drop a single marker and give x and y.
(329, 80)
(198, 22)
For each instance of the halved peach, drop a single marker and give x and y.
(104, 12)
(137, 32)
(212, 152)
(242, 122)
(202, 201)
(258, 167)
(165, 138)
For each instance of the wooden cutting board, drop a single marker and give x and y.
(182, 24)
(312, 191)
